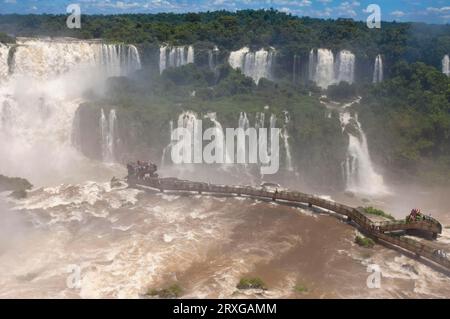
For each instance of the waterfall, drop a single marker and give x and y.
(345, 67)
(287, 147)
(162, 58)
(42, 86)
(359, 172)
(324, 70)
(378, 69)
(190, 54)
(446, 65)
(118, 59)
(190, 121)
(212, 58)
(4, 68)
(295, 64)
(220, 137)
(312, 65)
(260, 120)
(243, 121)
(168, 147)
(175, 56)
(44, 58)
(244, 124)
(108, 135)
(256, 65)
(76, 131)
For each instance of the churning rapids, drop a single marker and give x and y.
(125, 241)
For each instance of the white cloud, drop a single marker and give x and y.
(397, 13)
(298, 3)
(438, 10)
(325, 13)
(347, 8)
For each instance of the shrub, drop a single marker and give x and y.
(378, 212)
(173, 291)
(364, 242)
(300, 288)
(251, 283)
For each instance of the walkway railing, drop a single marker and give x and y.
(377, 230)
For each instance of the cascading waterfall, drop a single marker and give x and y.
(175, 56)
(256, 65)
(272, 124)
(446, 65)
(324, 70)
(45, 58)
(378, 69)
(345, 68)
(359, 172)
(287, 147)
(244, 124)
(312, 65)
(189, 120)
(295, 68)
(108, 135)
(220, 137)
(212, 58)
(260, 120)
(119, 59)
(4, 68)
(243, 121)
(40, 93)
(168, 147)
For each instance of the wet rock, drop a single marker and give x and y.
(19, 194)
(14, 184)
(410, 268)
(115, 182)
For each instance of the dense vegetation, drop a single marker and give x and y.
(150, 101)
(406, 118)
(378, 212)
(364, 242)
(261, 28)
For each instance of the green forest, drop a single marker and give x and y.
(406, 117)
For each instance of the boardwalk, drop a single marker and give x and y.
(380, 231)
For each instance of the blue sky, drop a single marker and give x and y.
(432, 11)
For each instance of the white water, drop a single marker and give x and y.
(287, 146)
(212, 58)
(38, 99)
(345, 67)
(325, 70)
(168, 147)
(359, 172)
(4, 69)
(108, 135)
(378, 69)
(446, 65)
(220, 139)
(45, 58)
(295, 64)
(175, 56)
(256, 65)
(260, 120)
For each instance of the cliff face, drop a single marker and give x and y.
(128, 138)
(14, 184)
